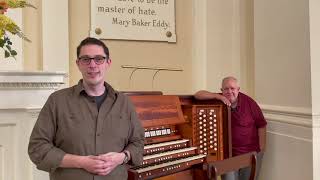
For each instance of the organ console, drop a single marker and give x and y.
(181, 133)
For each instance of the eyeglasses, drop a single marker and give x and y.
(86, 60)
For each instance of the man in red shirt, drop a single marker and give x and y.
(248, 124)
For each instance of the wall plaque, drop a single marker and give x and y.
(152, 20)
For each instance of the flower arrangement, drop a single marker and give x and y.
(8, 25)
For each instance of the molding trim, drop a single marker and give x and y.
(316, 121)
(30, 85)
(32, 73)
(31, 80)
(291, 136)
(289, 115)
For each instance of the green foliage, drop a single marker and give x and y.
(5, 44)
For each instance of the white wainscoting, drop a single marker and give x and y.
(15, 128)
(289, 144)
(22, 96)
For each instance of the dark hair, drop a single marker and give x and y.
(93, 41)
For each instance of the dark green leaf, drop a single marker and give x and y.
(1, 42)
(8, 47)
(13, 53)
(6, 54)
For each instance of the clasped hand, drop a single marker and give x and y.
(102, 164)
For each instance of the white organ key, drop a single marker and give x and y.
(170, 163)
(158, 132)
(146, 134)
(169, 153)
(152, 133)
(166, 143)
(164, 131)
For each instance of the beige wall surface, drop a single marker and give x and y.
(283, 87)
(282, 53)
(230, 43)
(140, 53)
(32, 28)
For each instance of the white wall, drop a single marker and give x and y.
(283, 86)
(282, 52)
(289, 144)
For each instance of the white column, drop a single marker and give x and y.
(199, 45)
(223, 41)
(55, 33)
(314, 14)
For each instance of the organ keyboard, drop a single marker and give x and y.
(180, 134)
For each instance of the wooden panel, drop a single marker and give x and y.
(191, 108)
(157, 110)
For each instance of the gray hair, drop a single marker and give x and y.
(229, 78)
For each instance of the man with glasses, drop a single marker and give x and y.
(88, 131)
(248, 124)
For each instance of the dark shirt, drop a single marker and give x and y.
(70, 123)
(99, 99)
(246, 119)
